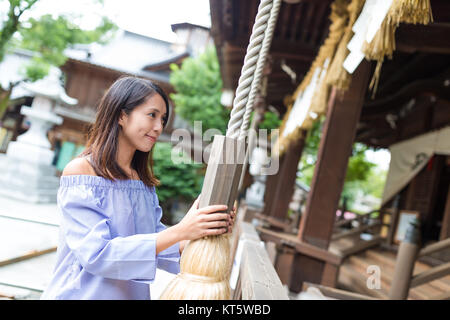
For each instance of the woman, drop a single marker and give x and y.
(111, 237)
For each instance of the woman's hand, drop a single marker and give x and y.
(207, 221)
(232, 219)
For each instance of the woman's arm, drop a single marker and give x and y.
(197, 223)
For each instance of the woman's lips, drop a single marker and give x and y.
(153, 139)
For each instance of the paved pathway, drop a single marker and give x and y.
(25, 227)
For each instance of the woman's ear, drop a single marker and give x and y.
(122, 118)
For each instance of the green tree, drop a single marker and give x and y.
(270, 121)
(178, 180)
(362, 177)
(47, 36)
(198, 87)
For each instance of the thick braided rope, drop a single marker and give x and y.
(248, 69)
(267, 41)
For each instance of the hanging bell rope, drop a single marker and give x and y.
(205, 263)
(256, 84)
(249, 69)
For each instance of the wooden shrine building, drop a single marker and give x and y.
(89, 72)
(412, 100)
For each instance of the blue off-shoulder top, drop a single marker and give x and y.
(107, 240)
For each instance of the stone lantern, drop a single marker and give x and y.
(255, 193)
(26, 171)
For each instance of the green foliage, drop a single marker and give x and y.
(11, 24)
(198, 88)
(47, 36)
(178, 180)
(271, 121)
(309, 156)
(51, 36)
(363, 177)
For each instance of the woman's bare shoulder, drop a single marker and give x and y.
(78, 166)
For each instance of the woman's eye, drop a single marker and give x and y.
(152, 115)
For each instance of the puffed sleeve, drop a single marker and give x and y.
(168, 259)
(87, 232)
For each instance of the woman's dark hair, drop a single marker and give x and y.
(124, 95)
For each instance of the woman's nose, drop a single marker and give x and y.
(158, 127)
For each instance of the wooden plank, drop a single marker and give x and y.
(258, 279)
(435, 247)
(337, 293)
(430, 275)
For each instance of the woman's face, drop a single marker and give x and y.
(142, 127)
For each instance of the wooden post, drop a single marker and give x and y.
(445, 229)
(271, 188)
(404, 265)
(316, 224)
(281, 188)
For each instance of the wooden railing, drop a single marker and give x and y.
(363, 222)
(435, 272)
(406, 258)
(257, 279)
(353, 228)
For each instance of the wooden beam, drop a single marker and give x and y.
(292, 241)
(430, 275)
(279, 48)
(432, 38)
(441, 245)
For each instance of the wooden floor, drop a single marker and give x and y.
(353, 275)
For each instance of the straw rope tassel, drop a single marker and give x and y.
(383, 44)
(337, 76)
(338, 19)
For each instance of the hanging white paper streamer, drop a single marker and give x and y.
(365, 28)
(379, 12)
(301, 106)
